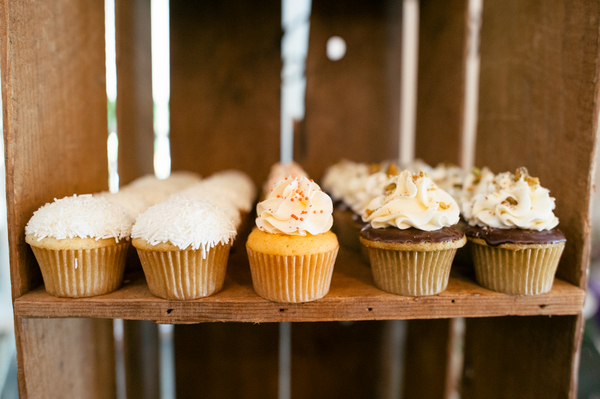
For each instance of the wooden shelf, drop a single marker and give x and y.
(352, 297)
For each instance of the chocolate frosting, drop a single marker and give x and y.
(411, 235)
(495, 237)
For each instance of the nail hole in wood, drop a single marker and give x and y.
(370, 309)
(169, 310)
(453, 301)
(282, 310)
(543, 306)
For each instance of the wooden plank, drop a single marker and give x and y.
(522, 357)
(134, 89)
(141, 354)
(351, 104)
(441, 91)
(66, 358)
(226, 361)
(54, 113)
(538, 106)
(225, 86)
(352, 297)
(329, 359)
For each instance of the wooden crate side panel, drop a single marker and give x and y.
(522, 357)
(441, 81)
(54, 113)
(134, 111)
(141, 347)
(66, 358)
(351, 104)
(225, 86)
(539, 106)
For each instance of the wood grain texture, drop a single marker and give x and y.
(227, 361)
(352, 105)
(225, 86)
(135, 125)
(352, 296)
(67, 358)
(538, 106)
(141, 353)
(440, 97)
(54, 113)
(522, 357)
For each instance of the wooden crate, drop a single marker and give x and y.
(538, 107)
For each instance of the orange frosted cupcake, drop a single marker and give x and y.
(292, 250)
(80, 243)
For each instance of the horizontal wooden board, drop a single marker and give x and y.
(352, 297)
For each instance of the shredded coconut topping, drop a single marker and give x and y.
(185, 222)
(82, 216)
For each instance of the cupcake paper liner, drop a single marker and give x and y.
(411, 273)
(292, 279)
(185, 275)
(527, 271)
(78, 273)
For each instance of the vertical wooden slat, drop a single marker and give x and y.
(225, 85)
(522, 357)
(134, 89)
(440, 100)
(66, 358)
(141, 353)
(539, 106)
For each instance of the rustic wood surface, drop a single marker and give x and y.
(141, 357)
(225, 86)
(522, 357)
(538, 106)
(352, 297)
(67, 358)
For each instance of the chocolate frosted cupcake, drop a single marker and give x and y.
(411, 237)
(516, 245)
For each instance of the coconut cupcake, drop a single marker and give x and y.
(516, 245)
(412, 236)
(292, 250)
(80, 243)
(183, 245)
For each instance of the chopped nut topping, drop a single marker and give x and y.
(511, 201)
(521, 171)
(374, 168)
(369, 212)
(533, 181)
(444, 205)
(392, 170)
(390, 188)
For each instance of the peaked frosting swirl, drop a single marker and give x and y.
(296, 206)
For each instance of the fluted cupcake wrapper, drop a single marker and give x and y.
(528, 271)
(411, 273)
(78, 273)
(292, 279)
(185, 275)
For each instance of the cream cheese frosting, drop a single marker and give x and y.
(449, 178)
(296, 206)
(80, 216)
(513, 201)
(412, 200)
(280, 171)
(342, 178)
(185, 223)
(365, 190)
(477, 181)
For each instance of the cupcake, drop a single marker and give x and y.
(412, 235)
(80, 243)
(292, 250)
(183, 245)
(516, 245)
(280, 171)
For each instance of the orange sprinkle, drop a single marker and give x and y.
(292, 200)
(279, 196)
(321, 210)
(294, 216)
(301, 219)
(311, 180)
(314, 211)
(306, 198)
(286, 178)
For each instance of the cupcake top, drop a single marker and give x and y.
(477, 181)
(366, 189)
(80, 216)
(221, 200)
(513, 201)
(296, 206)
(343, 177)
(185, 223)
(412, 200)
(133, 203)
(449, 178)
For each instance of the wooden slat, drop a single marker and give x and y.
(226, 361)
(140, 350)
(522, 357)
(352, 297)
(134, 89)
(351, 104)
(54, 113)
(539, 106)
(66, 358)
(225, 85)
(440, 98)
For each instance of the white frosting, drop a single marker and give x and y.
(154, 190)
(477, 181)
(512, 202)
(235, 185)
(364, 191)
(223, 202)
(185, 223)
(280, 171)
(342, 178)
(412, 200)
(449, 178)
(82, 216)
(296, 206)
(416, 166)
(132, 202)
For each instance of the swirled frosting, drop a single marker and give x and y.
(517, 201)
(368, 188)
(412, 200)
(296, 206)
(477, 181)
(342, 178)
(449, 178)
